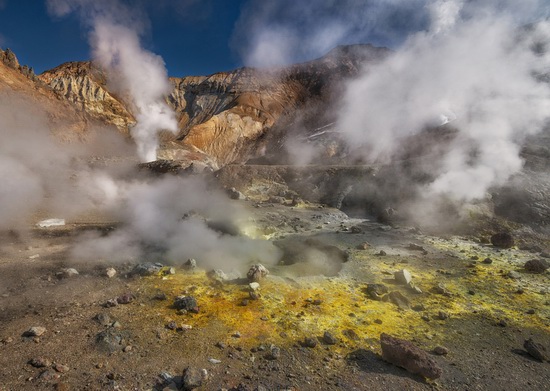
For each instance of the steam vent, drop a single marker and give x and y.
(325, 216)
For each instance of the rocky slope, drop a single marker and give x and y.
(85, 86)
(18, 84)
(231, 116)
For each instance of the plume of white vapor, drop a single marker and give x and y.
(274, 33)
(476, 67)
(169, 218)
(131, 70)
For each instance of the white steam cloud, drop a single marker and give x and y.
(274, 33)
(132, 71)
(171, 219)
(475, 66)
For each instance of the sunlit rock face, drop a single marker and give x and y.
(18, 85)
(251, 113)
(84, 85)
(231, 116)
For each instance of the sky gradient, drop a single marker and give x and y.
(193, 38)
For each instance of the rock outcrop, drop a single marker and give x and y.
(8, 58)
(230, 116)
(85, 86)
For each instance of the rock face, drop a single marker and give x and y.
(85, 85)
(18, 85)
(406, 355)
(230, 116)
(10, 59)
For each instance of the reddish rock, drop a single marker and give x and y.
(406, 355)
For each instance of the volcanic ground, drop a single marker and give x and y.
(313, 323)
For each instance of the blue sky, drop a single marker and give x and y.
(193, 40)
(201, 37)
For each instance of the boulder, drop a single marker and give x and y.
(406, 355)
(502, 240)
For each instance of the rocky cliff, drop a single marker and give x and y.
(85, 86)
(18, 85)
(230, 116)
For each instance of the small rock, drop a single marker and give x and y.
(514, 275)
(403, 277)
(217, 275)
(309, 342)
(193, 378)
(274, 354)
(442, 315)
(244, 302)
(253, 295)
(169, 271)
(356, 230)
(535, 349)
(381, 253)
(214, 361)
(67, 273)
(364, 246)
(441, 351)
(35, 331)
(351, 334)
(49, 375)
(440, 290)
(110, 303)
(536, 266)
(398, 299)
(127, 348)
(190, 264)
(187, 303)
(236, 334)
(257, 272)
(406, 355)
(147, 269)
(376, 291)
(416, 247)
(126, 298)
(234, 194)
(172, 325)
(502, 240)
(329, 339)
(61, 368)
(40, 362)
(487, 261)
(254, 286)
(103, 319)
(110, 272)
(530, 312)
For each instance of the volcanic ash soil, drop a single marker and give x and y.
(313, 323)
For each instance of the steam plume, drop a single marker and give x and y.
(132, 71)
(474, 67)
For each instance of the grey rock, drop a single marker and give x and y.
(536, 266)
(441, 351)
(187, 303)
(514, 275)
(535, 349)
(40, 362)
(502, 240)
(257, 272)
(329, 338)
(190, 264)
(35, 331)
(193, 378)
(403, 277)
(147, 269)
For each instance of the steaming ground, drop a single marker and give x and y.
(486, 319)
